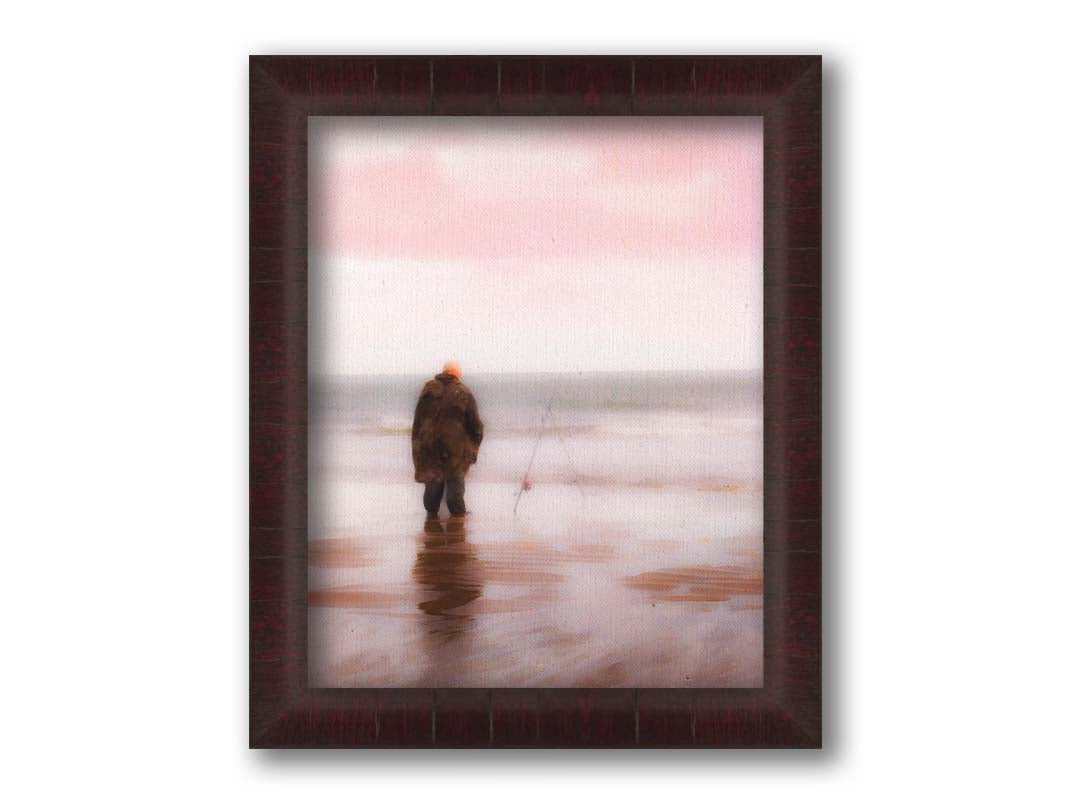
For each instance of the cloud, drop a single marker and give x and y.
(497, 188)
(535, 244)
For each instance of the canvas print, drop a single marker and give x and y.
(535, 402)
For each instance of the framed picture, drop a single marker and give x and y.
(535, 401)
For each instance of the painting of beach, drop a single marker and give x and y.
(600, 282)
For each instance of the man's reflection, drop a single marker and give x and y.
(450, 576)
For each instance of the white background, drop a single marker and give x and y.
(123, 314)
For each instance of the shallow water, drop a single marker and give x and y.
(634, 560)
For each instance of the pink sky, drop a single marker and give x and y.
(462, 189)
(542, 221)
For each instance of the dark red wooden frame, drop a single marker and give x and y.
(786, 92)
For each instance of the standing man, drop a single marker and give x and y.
(445, 438)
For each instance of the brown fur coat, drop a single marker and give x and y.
(447, 430)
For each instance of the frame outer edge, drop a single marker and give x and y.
(283, 91)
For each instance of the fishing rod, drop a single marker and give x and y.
(566, 451)
(540, 433)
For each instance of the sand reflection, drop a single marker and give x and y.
(449, 577)
(538, 600)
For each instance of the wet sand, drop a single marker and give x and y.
(617, 586)
(635, 560)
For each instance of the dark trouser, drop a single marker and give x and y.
(452, 489)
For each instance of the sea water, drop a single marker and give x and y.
(633, 559)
